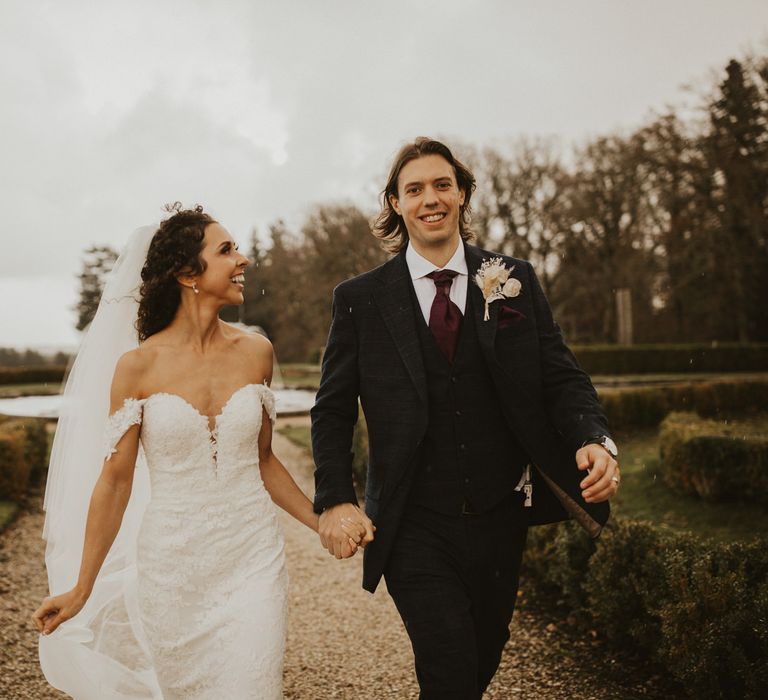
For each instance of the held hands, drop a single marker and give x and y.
(343, 528)
(603, 477)
(57, 609)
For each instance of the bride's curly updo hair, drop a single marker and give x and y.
(174, 251)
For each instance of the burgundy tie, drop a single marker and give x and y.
(444, 317)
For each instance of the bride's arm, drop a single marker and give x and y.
(283, 490)
(108, 503)
(286, 493)
(280, 485)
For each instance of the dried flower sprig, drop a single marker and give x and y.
(495, 283)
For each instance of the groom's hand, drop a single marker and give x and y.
(334, 529)
(603, 477)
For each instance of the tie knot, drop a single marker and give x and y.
(442, 278)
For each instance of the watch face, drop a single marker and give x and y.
(610, 445)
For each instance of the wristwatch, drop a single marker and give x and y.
(605, 442)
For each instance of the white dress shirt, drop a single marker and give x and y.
(420, 267)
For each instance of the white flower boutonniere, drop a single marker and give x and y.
(494, 281)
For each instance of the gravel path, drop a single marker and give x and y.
(342, 642)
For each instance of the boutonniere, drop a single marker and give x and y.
(495, 283)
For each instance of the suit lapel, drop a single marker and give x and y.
(393, 298)
(486, 330)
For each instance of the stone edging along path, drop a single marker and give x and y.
(342, 642)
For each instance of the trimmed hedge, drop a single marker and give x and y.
(8, 511)
(14, 469)
(712, 460)
(656, 359)
(648, 406)
(699, 609)
(23, 456)
(32, 375)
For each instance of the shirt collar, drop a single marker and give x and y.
(419, 266)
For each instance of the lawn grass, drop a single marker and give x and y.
(299, 435)
(300, 367)
(300, 375)
(644, 496)
(611, 380)
(8, 512)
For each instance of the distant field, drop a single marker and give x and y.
(9, 391)
(307, 376)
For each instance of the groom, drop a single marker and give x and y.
(480, 423)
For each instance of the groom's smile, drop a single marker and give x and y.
(433, 218)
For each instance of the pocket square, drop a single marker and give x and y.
(509, 317)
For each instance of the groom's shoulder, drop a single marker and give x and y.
(365, 281)
(508, 260)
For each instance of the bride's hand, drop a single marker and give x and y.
(58, 609)
(355, 531)
(339, 529)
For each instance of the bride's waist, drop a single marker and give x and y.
(211, 491)
(196, 466)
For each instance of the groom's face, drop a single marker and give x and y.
(429, 200)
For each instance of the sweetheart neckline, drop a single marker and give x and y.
(208, 418)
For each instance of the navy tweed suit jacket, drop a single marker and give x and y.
(373, 356)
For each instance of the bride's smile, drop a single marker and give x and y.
(223, 276)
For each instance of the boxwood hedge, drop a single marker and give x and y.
(699, 609)
(714, 460)
(648, 406)
(23, 455)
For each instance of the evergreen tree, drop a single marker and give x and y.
(738, 148)
(97, 263)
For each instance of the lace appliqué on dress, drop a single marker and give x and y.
(130, 413)
(268, 401)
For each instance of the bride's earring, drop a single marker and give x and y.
(194, 288)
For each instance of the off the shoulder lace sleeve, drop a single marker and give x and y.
(268, 401)
(130, 413)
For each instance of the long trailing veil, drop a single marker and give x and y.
(101, 653)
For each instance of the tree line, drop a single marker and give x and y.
(14, 357)
(675, 211)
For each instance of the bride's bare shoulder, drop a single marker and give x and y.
(255, 348)
(130, 371)
(248, 341)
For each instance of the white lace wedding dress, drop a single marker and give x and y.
(211, 587)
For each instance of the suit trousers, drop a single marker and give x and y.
(454, 582)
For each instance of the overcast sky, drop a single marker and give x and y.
(260, 109)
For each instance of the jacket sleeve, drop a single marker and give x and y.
(335, 411)
(569, 397)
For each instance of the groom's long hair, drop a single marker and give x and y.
(389, 226)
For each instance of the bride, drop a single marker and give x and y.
(181, 587)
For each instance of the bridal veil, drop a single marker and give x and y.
(101, 653)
